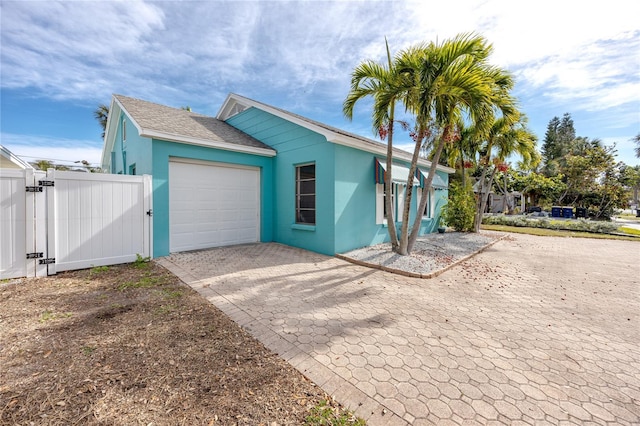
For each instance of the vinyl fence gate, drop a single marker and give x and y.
(56, 221)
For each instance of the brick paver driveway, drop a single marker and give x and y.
(534, 330)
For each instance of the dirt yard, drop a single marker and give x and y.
(130, 344)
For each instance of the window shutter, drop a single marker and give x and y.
(379, 204)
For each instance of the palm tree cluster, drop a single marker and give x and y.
(459, 103)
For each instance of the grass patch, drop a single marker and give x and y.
(324, 414)
(145, 282)
(556, 233)
(627, 216)
(170, 294)
(165, 309)
(99, 269)
(141, 262)
(50, 316)
(88, 350)
(631, 231)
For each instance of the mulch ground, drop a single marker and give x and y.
(131, 344)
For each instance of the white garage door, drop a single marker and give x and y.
(212, 205)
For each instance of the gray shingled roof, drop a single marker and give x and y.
(371, 142)
(180, 123)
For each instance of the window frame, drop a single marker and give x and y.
(298, 195)
(398, 192)
(428, 209)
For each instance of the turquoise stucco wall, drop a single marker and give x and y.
(134, 150)
(345, 189)
(346, 192)
(355, 205)
(296, 145)
(152, 157)
(163, 151)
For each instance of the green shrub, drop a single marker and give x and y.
(459, 211)
(583, 225)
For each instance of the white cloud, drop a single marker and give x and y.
(298, 55)
(66, 49)
(36, 147)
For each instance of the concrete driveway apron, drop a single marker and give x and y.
(535, 330)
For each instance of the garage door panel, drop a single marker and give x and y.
(212, 205)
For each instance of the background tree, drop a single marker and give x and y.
(636, 140)
(541, 190)
(102, 115)
(592, 179)
(506, 138)
(44, 165)
(630, 178)
(557, 143)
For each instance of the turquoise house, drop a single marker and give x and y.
(257, 173)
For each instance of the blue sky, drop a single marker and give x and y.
(59, 60)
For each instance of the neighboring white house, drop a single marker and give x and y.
(10, 161)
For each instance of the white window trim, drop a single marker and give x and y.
(298, 194)
(380, 220)
(430, 203)
(397, 201)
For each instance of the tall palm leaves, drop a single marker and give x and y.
(102, 114)
(504, 138)
(441, 85)
(370, 79)
(456, 83)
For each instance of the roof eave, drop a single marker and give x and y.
(10, 156)
(208, 143)
(331, 136)
(382, 150)
(234, 98)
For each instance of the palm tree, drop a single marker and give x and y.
(636, 140)
(455, 83)
(383, 84)
(504, 139)
(102, 114)
(461, 154)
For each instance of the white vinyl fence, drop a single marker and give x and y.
(57, 221)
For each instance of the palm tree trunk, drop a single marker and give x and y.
(462, 174)
(425, 194)
(483, 198)
(404, 248)
(391, 223)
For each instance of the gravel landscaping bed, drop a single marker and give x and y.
(431, 255)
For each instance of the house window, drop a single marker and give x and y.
(428, 209)
(393, 199)
(306, 194)
(124, 130)
(397, 200)
(132, 169)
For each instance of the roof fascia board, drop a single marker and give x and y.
(208, 143)
(382, 150)
(332, 137)
(14, 158)
(135, 123)
(234, 98)
(109, 134)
